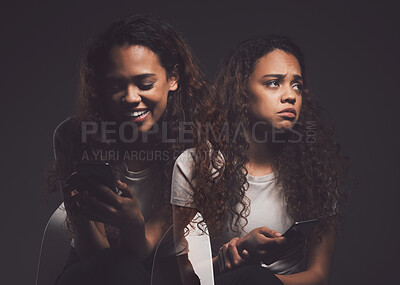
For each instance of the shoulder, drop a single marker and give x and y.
(182, 185)
(185, 163)
(186, 159)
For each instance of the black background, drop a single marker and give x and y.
(352, 56)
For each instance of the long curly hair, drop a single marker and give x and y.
(175, 57)
(309, 166)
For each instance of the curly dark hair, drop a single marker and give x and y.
(175, 57)
(311, 173)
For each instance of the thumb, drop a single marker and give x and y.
(269, 233)
(125, 190)
(245, 255)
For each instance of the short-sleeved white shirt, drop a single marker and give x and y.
(267, 208)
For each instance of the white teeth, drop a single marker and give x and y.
(137, 113)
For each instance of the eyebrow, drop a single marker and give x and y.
(136, 77)
(281, 76)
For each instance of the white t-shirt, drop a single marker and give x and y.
(267, 208)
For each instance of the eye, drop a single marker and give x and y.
(272, 83)
(145, 87)
(298, 87)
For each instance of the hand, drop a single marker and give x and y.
(71, 196)
(267, 245)
(229, 257)
(100, 203)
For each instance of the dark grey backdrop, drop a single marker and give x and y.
(353, 66)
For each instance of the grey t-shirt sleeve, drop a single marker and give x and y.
(182, 184)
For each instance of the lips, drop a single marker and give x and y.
(288, 113)
(137, 115)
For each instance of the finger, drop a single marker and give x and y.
(227, 260)
(221, 260)
(102, 207)
(106, 192)
(270, 246)
(269, 233)
(68, 188)
(234, 257)
(224, 261)
(98, 189)
(94, 213)
(125, 189)
(71, 199)
(72, 204)
(245, 254)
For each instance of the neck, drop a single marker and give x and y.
(138, 155)
(261, 156)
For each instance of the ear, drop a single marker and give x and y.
(173, 79)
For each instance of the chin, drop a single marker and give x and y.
(285, 126)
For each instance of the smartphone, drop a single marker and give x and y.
(101, 170)
(305, 227)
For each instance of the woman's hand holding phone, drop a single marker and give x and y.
(90, 236)
(99, 203)
(71, 197)
(266, 245)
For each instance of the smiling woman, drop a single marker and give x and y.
(138, 72)
(137, 85)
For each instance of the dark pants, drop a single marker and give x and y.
(113, 266)
(248, 275)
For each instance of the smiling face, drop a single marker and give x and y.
(136, 86)
(274, 88)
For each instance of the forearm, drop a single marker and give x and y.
(90, 237)
(319, 261)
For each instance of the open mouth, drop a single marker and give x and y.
(137, 115)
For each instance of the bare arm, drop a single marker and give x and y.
(319, 262)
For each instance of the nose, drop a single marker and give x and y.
(289, 95)
(131, 95)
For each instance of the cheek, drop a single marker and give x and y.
(160, 104)
(299, 108)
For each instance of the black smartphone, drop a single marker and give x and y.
(101, 170)
(305, 227)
